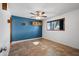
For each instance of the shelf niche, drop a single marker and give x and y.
(36, 23)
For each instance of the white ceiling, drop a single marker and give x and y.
(51, 9)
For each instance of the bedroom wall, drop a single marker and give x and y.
(70, 36)
(4, 32)
(0, 19)
(27, 31)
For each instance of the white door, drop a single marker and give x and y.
(4, 32)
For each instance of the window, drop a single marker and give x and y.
(56, 24)
(48, 25)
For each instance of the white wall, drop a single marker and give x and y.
(0, 6)
(0, 28)
(70, 36)
(4, 32)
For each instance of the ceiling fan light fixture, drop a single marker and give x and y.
(43, 12)
(38, 17)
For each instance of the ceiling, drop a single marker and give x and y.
(51, 9)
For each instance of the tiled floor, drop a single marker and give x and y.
(44, 48)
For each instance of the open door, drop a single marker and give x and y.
(4, 31)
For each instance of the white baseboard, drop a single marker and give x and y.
(25, 40)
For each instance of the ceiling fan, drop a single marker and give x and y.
(38, 15)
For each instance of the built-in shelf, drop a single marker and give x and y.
(36, 23)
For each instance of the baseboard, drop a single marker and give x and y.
(14, 42)
(62, 44)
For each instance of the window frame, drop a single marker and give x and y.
(53, 25)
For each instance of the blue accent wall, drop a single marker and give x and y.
(22, 29)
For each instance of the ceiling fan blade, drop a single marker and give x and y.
(49, 17)
(43, 13)
(32, 13)
(44, 16)
(33, 17)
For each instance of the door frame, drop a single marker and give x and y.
(10, 31)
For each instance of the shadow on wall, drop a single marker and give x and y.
(22, 28)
